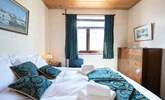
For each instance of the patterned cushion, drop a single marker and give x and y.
(49, 72)
(24, 69)
(31, 86)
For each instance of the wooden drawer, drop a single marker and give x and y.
(135, 52)
(136, 75)
(123, 54)
(135, 64)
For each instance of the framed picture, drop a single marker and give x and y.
(13, 17)
(143, 33)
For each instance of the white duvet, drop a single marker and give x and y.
(67, 86)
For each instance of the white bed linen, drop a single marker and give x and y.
(84, 96)
(6, 75)
(96, 89)
(10, 95)
(68, 85)
(65, 87)
(85, 69)
(137, 86)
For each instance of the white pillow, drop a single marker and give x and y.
(6, 75)
(35, 58)
(17, 60)
(40, 62)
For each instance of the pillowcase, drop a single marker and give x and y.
(6, 75)
(17, 60)
(40, 62)
(35, 58)
(31, 86)
(24, 69)
(49, 72)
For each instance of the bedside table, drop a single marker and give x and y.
(55, 63)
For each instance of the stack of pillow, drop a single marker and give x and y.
(28, 71)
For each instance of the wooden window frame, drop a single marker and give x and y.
(88, 51)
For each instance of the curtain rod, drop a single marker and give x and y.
(65, 13)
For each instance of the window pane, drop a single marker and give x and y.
(90, 23)
(81, 39)
(96, 39)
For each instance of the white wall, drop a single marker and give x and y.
(149, 11)
(57, 34)
(13, 43)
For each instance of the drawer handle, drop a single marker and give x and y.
(138, 71)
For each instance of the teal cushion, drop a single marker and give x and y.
(31, 86)
(49, 71)
(24, 69)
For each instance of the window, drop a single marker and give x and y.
(90, 33)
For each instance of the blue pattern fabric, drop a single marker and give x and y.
(31, 86)
(49, 72)
(124, 90)
(24, 69)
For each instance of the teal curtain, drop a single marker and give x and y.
(108, 52)
(71, 51)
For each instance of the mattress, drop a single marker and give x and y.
(67, 86)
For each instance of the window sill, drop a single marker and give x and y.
(90, 53)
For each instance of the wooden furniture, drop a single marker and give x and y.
(142, 65)
(55, 63)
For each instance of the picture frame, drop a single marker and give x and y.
(14, 17)
(143, 33)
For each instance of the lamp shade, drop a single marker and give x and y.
(49, 56)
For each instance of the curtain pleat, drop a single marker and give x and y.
(108, 52)
(71, 51)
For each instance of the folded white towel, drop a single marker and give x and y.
(87, 69)
(96, 89)
(84, 96)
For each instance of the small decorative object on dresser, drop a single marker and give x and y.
(143, 33)
(142, 65)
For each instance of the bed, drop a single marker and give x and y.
(66, 86)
